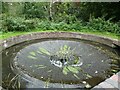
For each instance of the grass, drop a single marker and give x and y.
(105, 34)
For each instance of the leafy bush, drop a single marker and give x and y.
(47, 25)
(31, 24)
(44, 25)
(63, 26)
(100, 24)
(94, 24)
(2, 22)
(17, 24)
(76, 26)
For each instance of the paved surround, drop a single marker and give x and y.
(112, 82)
(0, 88)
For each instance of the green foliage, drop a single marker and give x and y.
(35, 10)
(65, 70)
(44, 25)
(76, 76)
(100, 24)
(73, 69)
(69, 68)
(32, 53)
(65, 52)
(44, 51)
(47, 25)
(60, 16)
(32, 57)
(31, 23)
(17, 24)
(94, 24)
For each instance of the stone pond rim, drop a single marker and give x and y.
(22, 38)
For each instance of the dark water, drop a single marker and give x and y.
(98, 62)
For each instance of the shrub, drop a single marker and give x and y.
(31, 24)
(18, 24)
(47, 25)
(94, 24)
(100, 24)
(76, 26)
(63, 26)
(44, 25)
(13, 24)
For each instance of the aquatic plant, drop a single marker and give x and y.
(10, 82)
(65, 58)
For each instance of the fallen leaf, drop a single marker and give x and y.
(32, 53)
(32, 57)
(72, 69)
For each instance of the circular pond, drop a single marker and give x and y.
(58, 63)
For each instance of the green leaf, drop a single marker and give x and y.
(89, 65)
(32, 53)
(65, 71)
(114, 71)
(41, 67)
(31, 57)
(89, 76)
(76, 76)
(72, 69)
(68, 48)
(65, 47)
(76, 60)
(39, 52)
(78, 68)
(49, 71)
(42, 50)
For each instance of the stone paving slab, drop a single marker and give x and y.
(106, 85)
(0, 88)
(115, 78)
(118, 74)
(112, 83)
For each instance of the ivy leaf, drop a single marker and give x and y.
(72, 69)
(31, 57)
(32, 53)
(42, 50)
